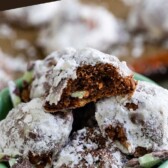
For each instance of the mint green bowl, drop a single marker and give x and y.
(5, 100)
(6, 104)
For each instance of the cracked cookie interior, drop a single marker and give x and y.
(92, 83)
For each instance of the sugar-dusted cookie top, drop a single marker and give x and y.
(30, 132)
(71, 78)
(79, 25)
(88, 148)
(139, 122)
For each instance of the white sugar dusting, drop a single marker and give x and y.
(146, 125)
(28, 128)
(86, 150)
(78, 25)
(66, 63)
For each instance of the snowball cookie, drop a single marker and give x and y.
(152, 16)
(78, 25)
(88, 148)
(71, 78)
(29, 131)
(136, 123)
(32, 16)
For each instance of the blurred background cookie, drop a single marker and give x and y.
(79, 25)
(10, 68)
(130, 30)
(31, 17)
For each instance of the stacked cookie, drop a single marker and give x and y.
(86, 110)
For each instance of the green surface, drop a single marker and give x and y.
(6, 103)
(164, 165)
(143, 78)
(148, 161)
(5, 100)
(164, 83)
(3, 165)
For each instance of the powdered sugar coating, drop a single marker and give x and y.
(61, 66)
(143, 118)
(152, 16)
(88, 148)
(35, 15)
(78, 25)
(27, 128)
(37, 87)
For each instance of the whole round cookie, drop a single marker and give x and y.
(88, 148)
(138, 123)
(30, 132)
(79, 25)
